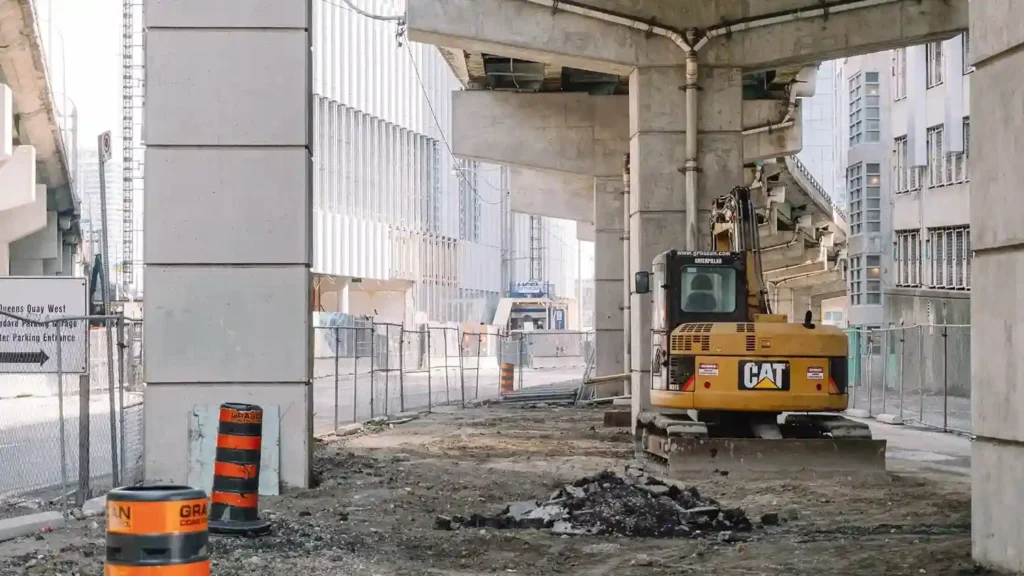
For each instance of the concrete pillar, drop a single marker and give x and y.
(228, 220)
(997, 302)
(608, 271)
(657, 181)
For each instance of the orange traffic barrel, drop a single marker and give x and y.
(235, 498)
(157, 530)
(508, 372)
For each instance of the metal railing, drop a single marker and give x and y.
(365, 369)
(921, 374)
(67, 431)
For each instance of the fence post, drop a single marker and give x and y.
(903, 353)
(120, 393)
(60, 409)
(83, 493)
(462, 368)
(430, 390)
(355, 377)
(870, 378)
(337, 392)
(885, 367)
(372, 360)
(501, 354)
(447, 386)
(945, 378)
(479, 342)
(522, 358)
(387, 370)
(401, 368)
(920, 377)
(114, 468)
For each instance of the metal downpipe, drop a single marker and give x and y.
(691, 147)
(627, 280)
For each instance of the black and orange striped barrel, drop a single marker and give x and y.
(508, 377)
(234, 501)
(157, 531)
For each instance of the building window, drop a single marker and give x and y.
(855, 186)
(899, 72)
(856, 281)
(935, 64)
(866, 280)
(873, 216)
(856, 111)
(950, 254)
(469, 200)
(967, 149)
(900, 168)
(865, 112)
(936, 159)
(908, 260)
(873, 271)
(966, 40)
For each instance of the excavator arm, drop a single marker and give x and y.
(734, 229)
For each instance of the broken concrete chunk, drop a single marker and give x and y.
(575, 492)
(442, 523)
(519, 510)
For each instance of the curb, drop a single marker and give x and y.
(858, 413)
(27, 525)
(95, 507)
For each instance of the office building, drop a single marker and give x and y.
(904, 164)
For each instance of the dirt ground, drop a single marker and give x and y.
(380, 492)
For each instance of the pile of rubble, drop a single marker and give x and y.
(634, 504)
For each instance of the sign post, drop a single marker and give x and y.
(27, 347)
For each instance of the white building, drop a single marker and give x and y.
(905, 162)
(402, 229)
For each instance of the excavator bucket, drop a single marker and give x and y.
(688, 454)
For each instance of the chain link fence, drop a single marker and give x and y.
(365, 369)
(922, 374)
(71, 415)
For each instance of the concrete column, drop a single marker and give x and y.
(997, 302)
(228, 223)
(657, 180)
(608, 271)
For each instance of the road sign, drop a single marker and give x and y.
(106, 151)
(31, 348)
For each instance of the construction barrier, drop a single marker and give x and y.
(508, 378)
(157, 530)
(236, 473)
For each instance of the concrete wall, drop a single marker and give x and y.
(244, 111)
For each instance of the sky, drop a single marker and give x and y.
(86, 56)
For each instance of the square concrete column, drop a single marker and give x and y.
(657, 198)
(228, 211)
(997, 301)
(609, 268)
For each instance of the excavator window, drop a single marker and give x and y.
(708, 289)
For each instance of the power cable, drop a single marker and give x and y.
(361, 12)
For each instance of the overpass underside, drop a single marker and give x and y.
(704, 96)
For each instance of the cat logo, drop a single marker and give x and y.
(756, 375)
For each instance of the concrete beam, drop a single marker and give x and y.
(791, 256)
(524, 30)
(795, 272)
(551, 194)
(574, 133)
(816, 276)
(582, 134)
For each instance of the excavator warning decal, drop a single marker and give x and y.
(758, 375)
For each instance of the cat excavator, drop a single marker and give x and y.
(733, 386)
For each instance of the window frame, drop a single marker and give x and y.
(908, 260)
(899, 73)
(950, 257)
(936, 159)
(934, 64)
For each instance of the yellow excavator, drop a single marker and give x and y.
(733, 386)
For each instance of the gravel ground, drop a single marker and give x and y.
(381, 493)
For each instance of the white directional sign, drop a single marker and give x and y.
(32, 348)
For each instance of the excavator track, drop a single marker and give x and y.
(818, 443)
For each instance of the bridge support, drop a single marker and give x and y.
(228, 220)
(997, 301)
(609, 269)
(657, 198)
